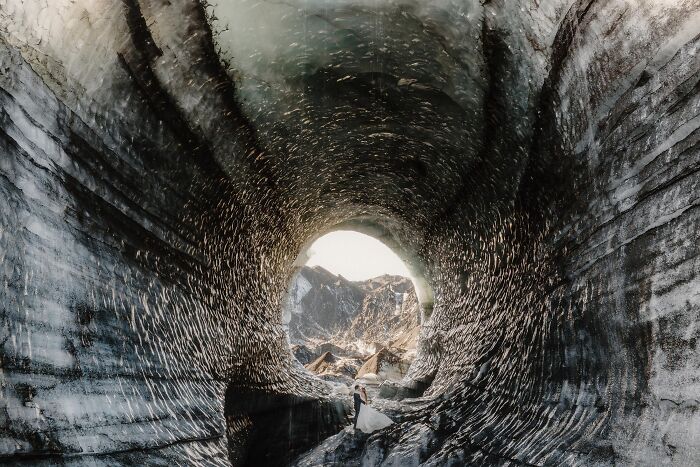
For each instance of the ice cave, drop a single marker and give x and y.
(163, 163)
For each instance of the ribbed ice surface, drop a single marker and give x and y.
(163, 163)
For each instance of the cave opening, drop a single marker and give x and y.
(352, 310)
(342, 332)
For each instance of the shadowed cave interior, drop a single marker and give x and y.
(164, 163)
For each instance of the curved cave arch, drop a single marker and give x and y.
(274, 427)
(380, 229)
(540, 178)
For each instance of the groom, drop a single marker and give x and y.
(358, 402)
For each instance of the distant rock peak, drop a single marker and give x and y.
(324, 307)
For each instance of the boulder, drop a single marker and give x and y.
(322, 363)
(303, 354)
(384, 364)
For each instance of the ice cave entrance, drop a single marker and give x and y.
(352, 311)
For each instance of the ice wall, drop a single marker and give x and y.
(160, 173)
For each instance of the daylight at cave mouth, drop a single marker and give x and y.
(167, 166)
(353, 315)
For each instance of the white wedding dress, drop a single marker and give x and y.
(371, 420)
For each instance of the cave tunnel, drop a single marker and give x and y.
(164, 162)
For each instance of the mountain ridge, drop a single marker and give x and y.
(326, 307)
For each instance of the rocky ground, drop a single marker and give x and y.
(343, 330)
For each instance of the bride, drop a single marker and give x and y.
(370, 419)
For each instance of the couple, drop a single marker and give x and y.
(366, 418)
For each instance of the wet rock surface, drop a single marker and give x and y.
(344, 448)
(537, 161)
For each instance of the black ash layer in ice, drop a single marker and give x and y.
(163, 164)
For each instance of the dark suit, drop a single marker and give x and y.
(358, 402)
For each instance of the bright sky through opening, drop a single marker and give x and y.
(355, 256)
